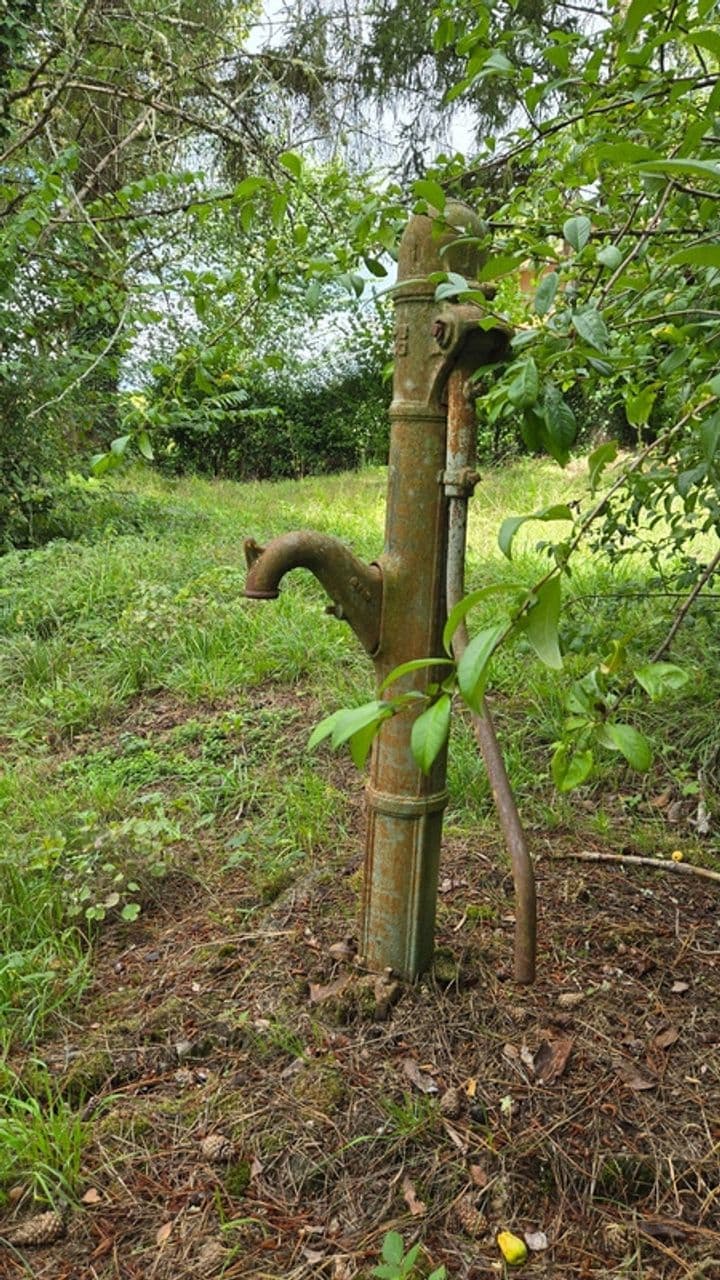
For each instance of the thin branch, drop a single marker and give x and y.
(655, 219)
(684, 868)
(615, 233)
(39, 123)
(701, 195)
(687, 604)
(668, 85)
(72, 386)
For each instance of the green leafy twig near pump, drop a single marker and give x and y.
(591, 702)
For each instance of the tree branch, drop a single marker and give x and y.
(664, 864)
(687, 604)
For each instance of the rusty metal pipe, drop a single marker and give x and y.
(405, 806)
(398, 607)
(354, 587)
(460, 478)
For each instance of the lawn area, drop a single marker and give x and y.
(178, 896)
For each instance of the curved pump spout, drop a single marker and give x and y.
(354, 587)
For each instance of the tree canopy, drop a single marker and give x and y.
(170, 176)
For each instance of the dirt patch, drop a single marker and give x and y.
(585, 1109)
(155, 715)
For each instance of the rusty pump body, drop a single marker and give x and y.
(397, 607)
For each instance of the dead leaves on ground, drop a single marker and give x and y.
(417, 1207)
(418, 1077)
(551, 1059)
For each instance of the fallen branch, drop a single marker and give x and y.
(686, 868)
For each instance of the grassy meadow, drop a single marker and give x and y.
(147, 707)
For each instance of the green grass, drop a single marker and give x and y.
(91, 631)
(41, 1139)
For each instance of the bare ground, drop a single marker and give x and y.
(586, 1108)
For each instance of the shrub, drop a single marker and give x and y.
(227, 416)
(29, 457)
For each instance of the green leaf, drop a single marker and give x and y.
(463, 607)
(599, 459)
(357, 726)
(248, 187)
(119, 446)
(545, 293)
(375, 267)
(560, 423)
(429, 733)
(473, 668)
(361, 742)
(393, 1248)
(659, 678)
(702, 255)
(323, 730)
(351, 720)
(532, 430)
(709, 40)
(638, 407)
(695, 168)
(203, 380)
(591, 327)
(451, 287)
(130, 911)
(278, 209)
(144, 445)
(709, 436)
(577, 232)
(624, 152)
(428, 189)
(101, 463)
(609, 256)
(688, 479)
(523, 338)
(637, 12)
(630, 743)
(444, 34)
(497, 62)
(415, 664)
(523, 390)
(570, 769)
(540, 623)
(292, 162)
(585, 696)
(510, 526)
(501, 265)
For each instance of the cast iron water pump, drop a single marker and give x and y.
(397, 606)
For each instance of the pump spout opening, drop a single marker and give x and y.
(354, 587)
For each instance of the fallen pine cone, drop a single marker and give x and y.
(217, 1148)
(451, 1103)
(471, 1219)
(43, 1228)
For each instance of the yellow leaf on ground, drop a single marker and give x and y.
(512, 1248)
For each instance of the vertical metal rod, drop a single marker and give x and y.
(461, 457)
